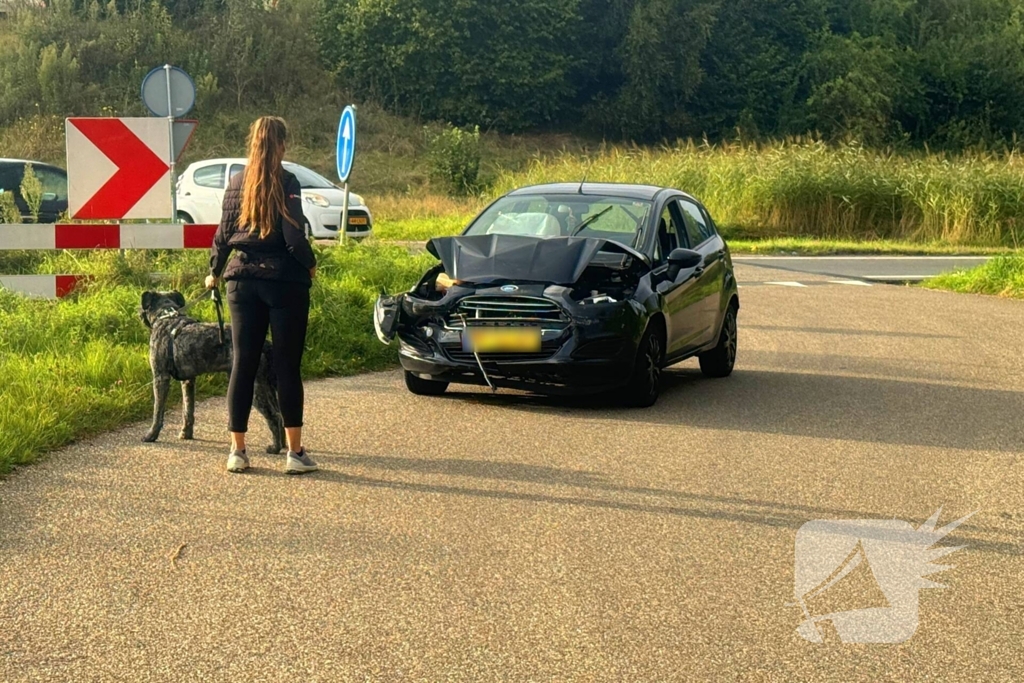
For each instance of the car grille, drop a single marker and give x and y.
(508, 309)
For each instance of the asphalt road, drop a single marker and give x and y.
(870, 268)
(482, 538)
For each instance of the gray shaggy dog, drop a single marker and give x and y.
(182, 348)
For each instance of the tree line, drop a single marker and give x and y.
(946, 73)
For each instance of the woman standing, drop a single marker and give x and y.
(268, 283)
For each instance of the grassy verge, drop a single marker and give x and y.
(1002, 276)
(80, 366)
(809, 246)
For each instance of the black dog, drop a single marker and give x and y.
(183, 348)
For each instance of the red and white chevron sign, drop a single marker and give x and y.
(118, 168)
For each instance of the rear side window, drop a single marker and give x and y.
(235, 170)
(210, 176)
(697, 226)
(55, 184)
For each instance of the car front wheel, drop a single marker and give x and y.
(424, 387)
(719, 361)
(642, 389)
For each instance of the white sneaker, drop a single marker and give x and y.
(238, 461)
(299, 463)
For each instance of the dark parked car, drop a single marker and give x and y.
(570, 289)
(55, 188)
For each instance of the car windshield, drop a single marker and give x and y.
(308, 179)
(611, 218)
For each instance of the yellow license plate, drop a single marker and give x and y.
(357, 220)
(507, 340)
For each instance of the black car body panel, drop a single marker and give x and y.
(591, 298)
(55, 188)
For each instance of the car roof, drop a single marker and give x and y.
(627, 190)
(233, 160)
(22, 162)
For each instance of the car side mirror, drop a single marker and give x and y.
(685, 258)
(682, 259)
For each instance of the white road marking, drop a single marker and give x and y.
(855, 283)
(787, 284)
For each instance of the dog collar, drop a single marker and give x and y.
(168, 313)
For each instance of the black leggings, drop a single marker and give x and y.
(256, 305)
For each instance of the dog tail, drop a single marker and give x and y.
(267, 367)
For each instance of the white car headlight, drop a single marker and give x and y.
(316, 200)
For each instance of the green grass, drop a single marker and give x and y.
(805, 188)
(80, 366)
(1002, 276)
(810, 246)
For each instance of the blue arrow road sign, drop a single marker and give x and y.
(346, 143)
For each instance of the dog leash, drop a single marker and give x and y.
(219, 304)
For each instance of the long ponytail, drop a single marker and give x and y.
(263, 192)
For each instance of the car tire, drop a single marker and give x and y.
(309, 229)
(424, 387)
(719, 361)
(642, 389)
(185, 218)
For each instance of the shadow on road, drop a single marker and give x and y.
(889, 411)
(676, 503)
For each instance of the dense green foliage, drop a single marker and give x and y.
(80, 365)
(945, 71)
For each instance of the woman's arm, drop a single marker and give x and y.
(294, 234)
(221, 249)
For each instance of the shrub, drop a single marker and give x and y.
(32, 192)
(454, 155)
(8, 209)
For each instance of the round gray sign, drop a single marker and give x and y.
(182, 96)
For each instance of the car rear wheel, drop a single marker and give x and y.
(424, 387)
(185, 218)
(719, 361)
(642, 389)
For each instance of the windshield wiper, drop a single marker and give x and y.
(579, 228)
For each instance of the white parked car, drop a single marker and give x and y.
(201, 188)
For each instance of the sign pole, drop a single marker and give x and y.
(170, 134)
(346, 153)
(344, 217)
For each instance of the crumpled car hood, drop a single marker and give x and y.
(490, 258)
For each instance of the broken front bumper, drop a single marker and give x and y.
(584, 349)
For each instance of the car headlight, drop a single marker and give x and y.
(355, 200)
(316, 200)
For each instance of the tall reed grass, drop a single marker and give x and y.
(80, 365)
(807, 188)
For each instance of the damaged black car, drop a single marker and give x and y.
(570, 289)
